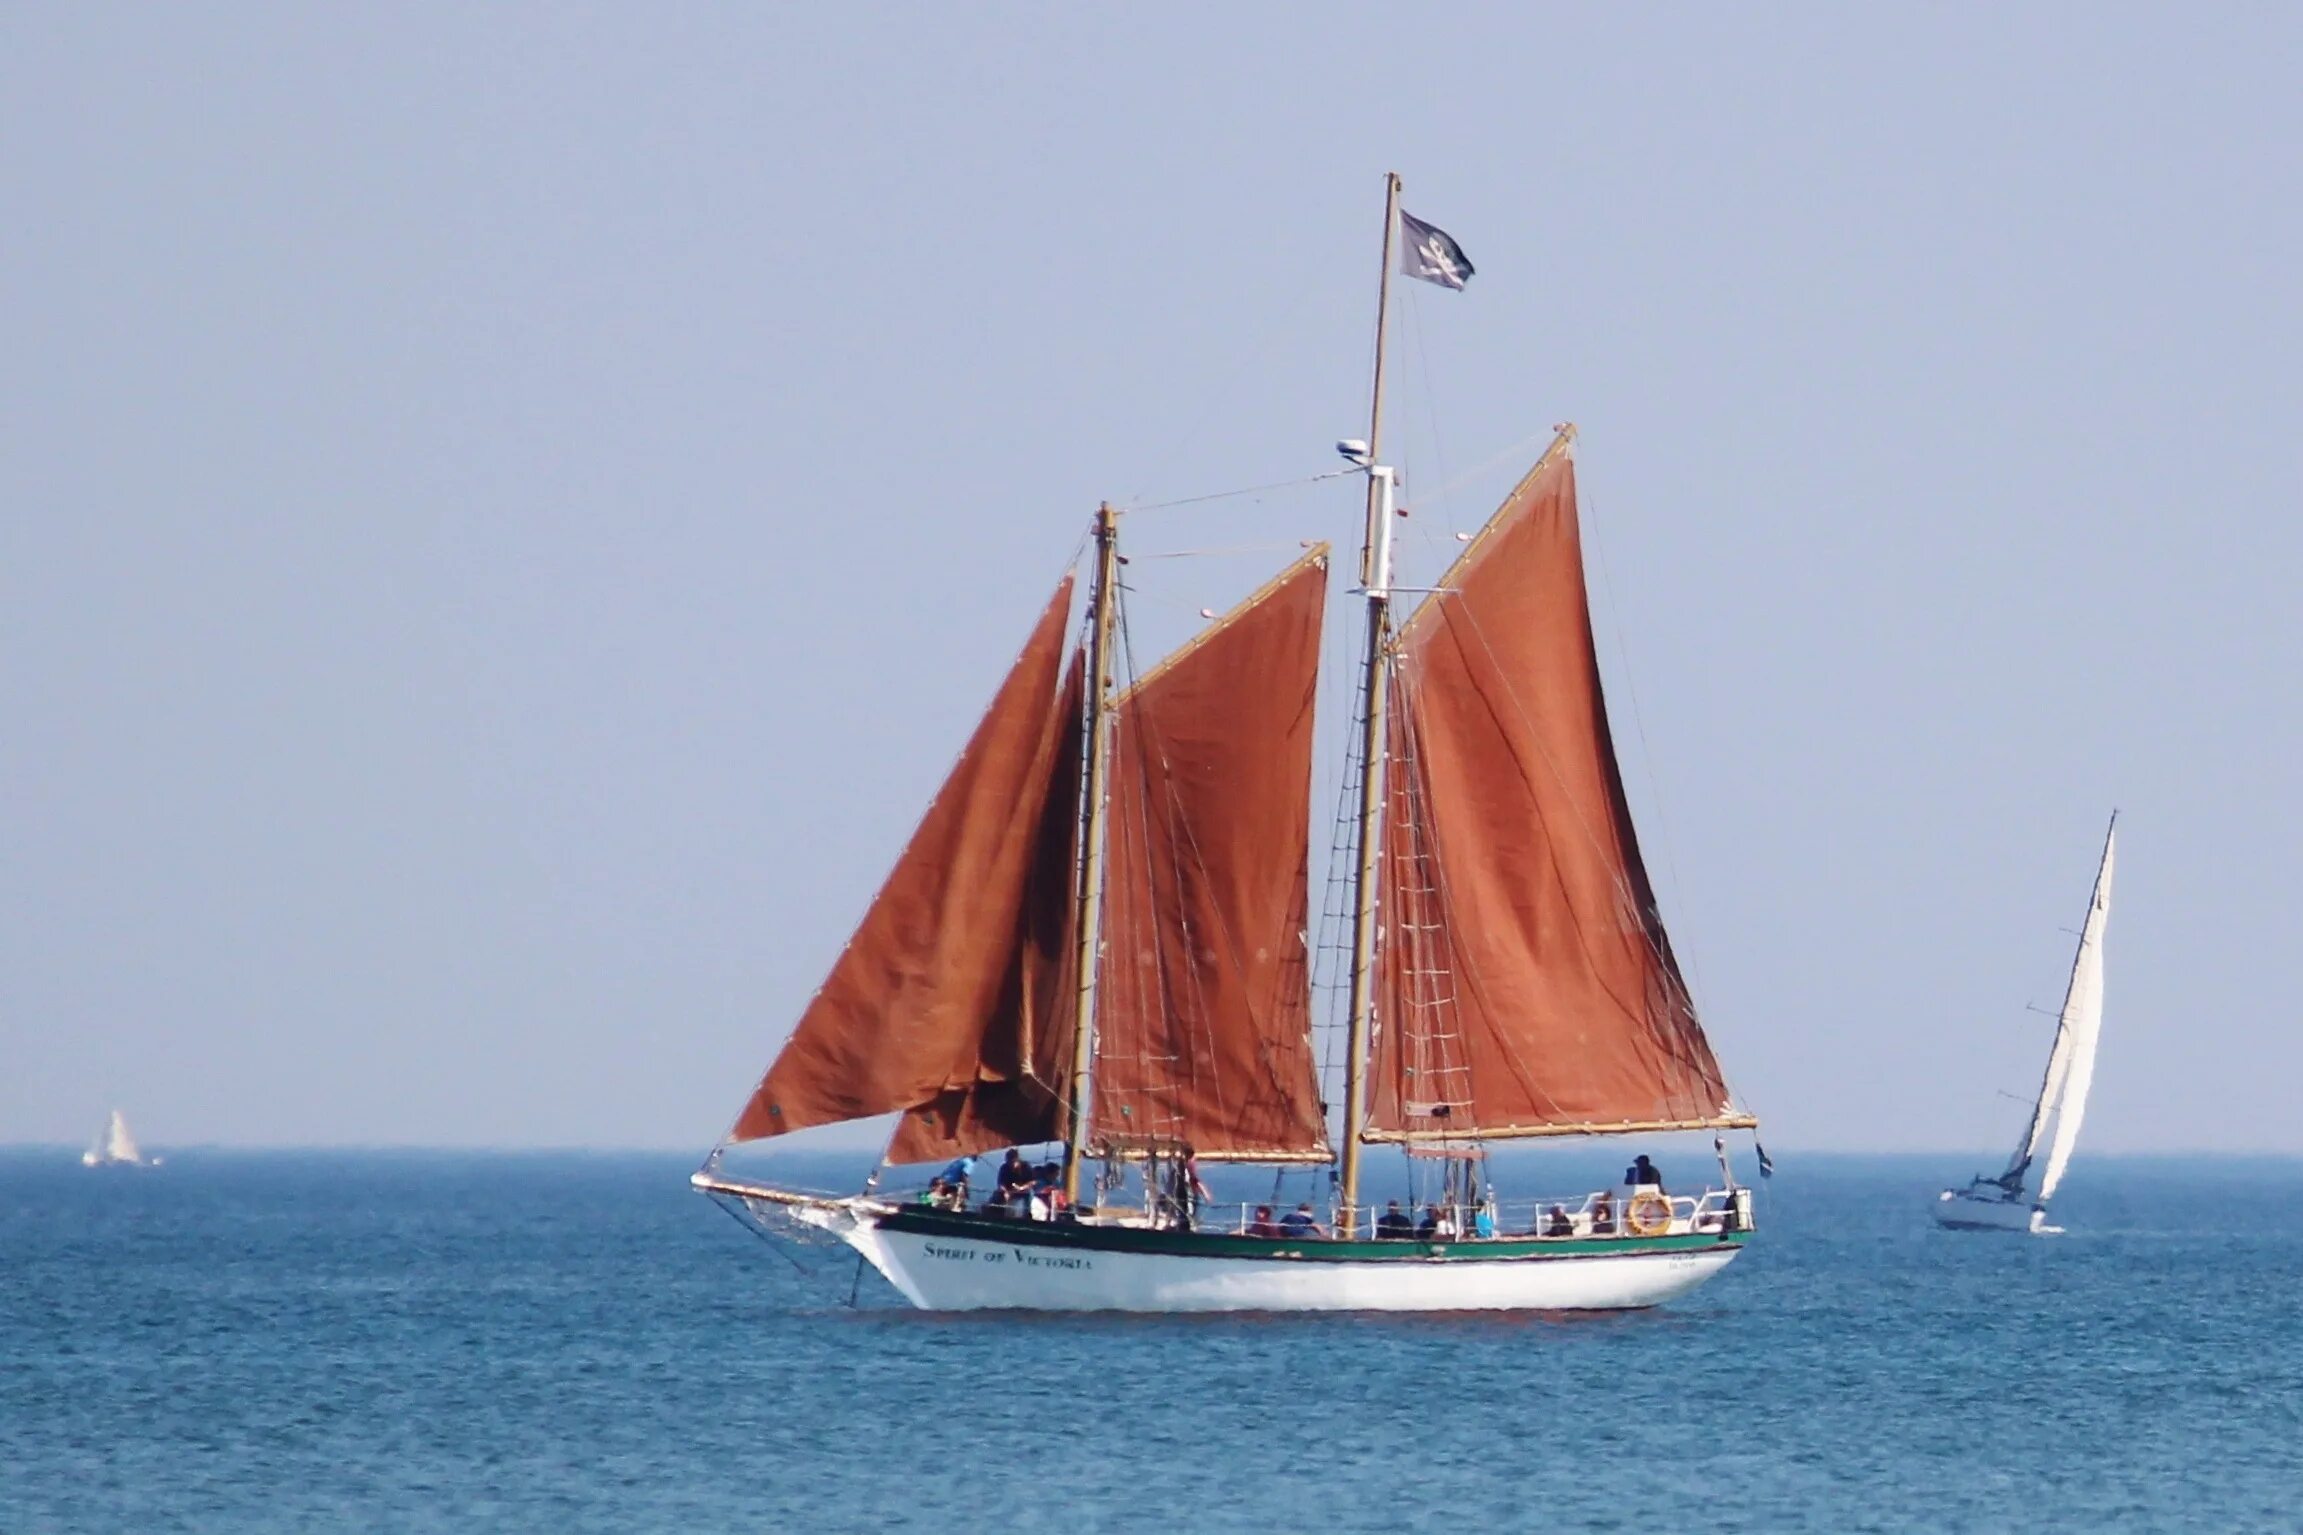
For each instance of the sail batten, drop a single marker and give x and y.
(1525, 980)
(945, 1006)
(1203, 994)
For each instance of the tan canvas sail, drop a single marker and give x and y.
(1525, 983)
(935, 1007)
(1203, 1001)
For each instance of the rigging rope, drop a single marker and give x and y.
(1185, 554)
(1244, 490)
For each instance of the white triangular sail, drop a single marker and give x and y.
(119, 1145)
(2071, 1064)
(115, 1147)
(2081, 1026)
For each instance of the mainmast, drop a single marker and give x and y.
(1102, 605)
(1375, 581)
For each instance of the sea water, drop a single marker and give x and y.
(411, 1342)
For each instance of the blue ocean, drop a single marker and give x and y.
(255, 1342)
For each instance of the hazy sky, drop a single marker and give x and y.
(507, 512)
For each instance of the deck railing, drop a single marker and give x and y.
(1632, 1211)
(1642, 1211)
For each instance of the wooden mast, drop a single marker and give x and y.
(1375, 579)
(1102, 604)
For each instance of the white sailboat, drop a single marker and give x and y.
(2016, 1200)
(1099, 937)
(115, 1147)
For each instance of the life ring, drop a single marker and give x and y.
(1648, 1214)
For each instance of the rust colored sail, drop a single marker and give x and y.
(1203, 998)
(1011, 1093)
(1525, 982)
(941, 1004)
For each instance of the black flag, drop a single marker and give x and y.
(1429, 252)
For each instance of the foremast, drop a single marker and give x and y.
(1102, 607)
(1375, 584)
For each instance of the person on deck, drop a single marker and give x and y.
(1185, 1191)
(1642, 1173)
(1393, 1225)
(1014, 1188)
(955, 1175)
(1427, 1229)
(1483, 1219)
(1558, 1223)
(1263, 1225)
(1300, 1222)
(1044, 1199)
(1602, 1214)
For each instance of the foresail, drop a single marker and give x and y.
(1203, 998)
(2081, 1025)
(1525, 984)
(938, 1001)
(1010, 1093)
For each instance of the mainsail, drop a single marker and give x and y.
(947, 1005)
(1203, 997)
(1525, 985)
(2071, 1064)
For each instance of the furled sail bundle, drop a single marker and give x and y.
(1203, 997)
(1525, 985)
(950, 1004)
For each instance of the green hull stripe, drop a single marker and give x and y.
(1206, 1244)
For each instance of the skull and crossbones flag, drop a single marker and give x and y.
(1429, 252)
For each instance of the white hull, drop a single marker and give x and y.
(968, 1273)
(1957, 1210)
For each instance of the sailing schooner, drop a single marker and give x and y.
(1097, 937)
(2012, 1201)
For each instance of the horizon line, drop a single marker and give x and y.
(326, 1148)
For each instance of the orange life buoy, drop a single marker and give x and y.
(1648, 1214)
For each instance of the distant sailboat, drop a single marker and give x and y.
(2012, 1201)
(116, 1147)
